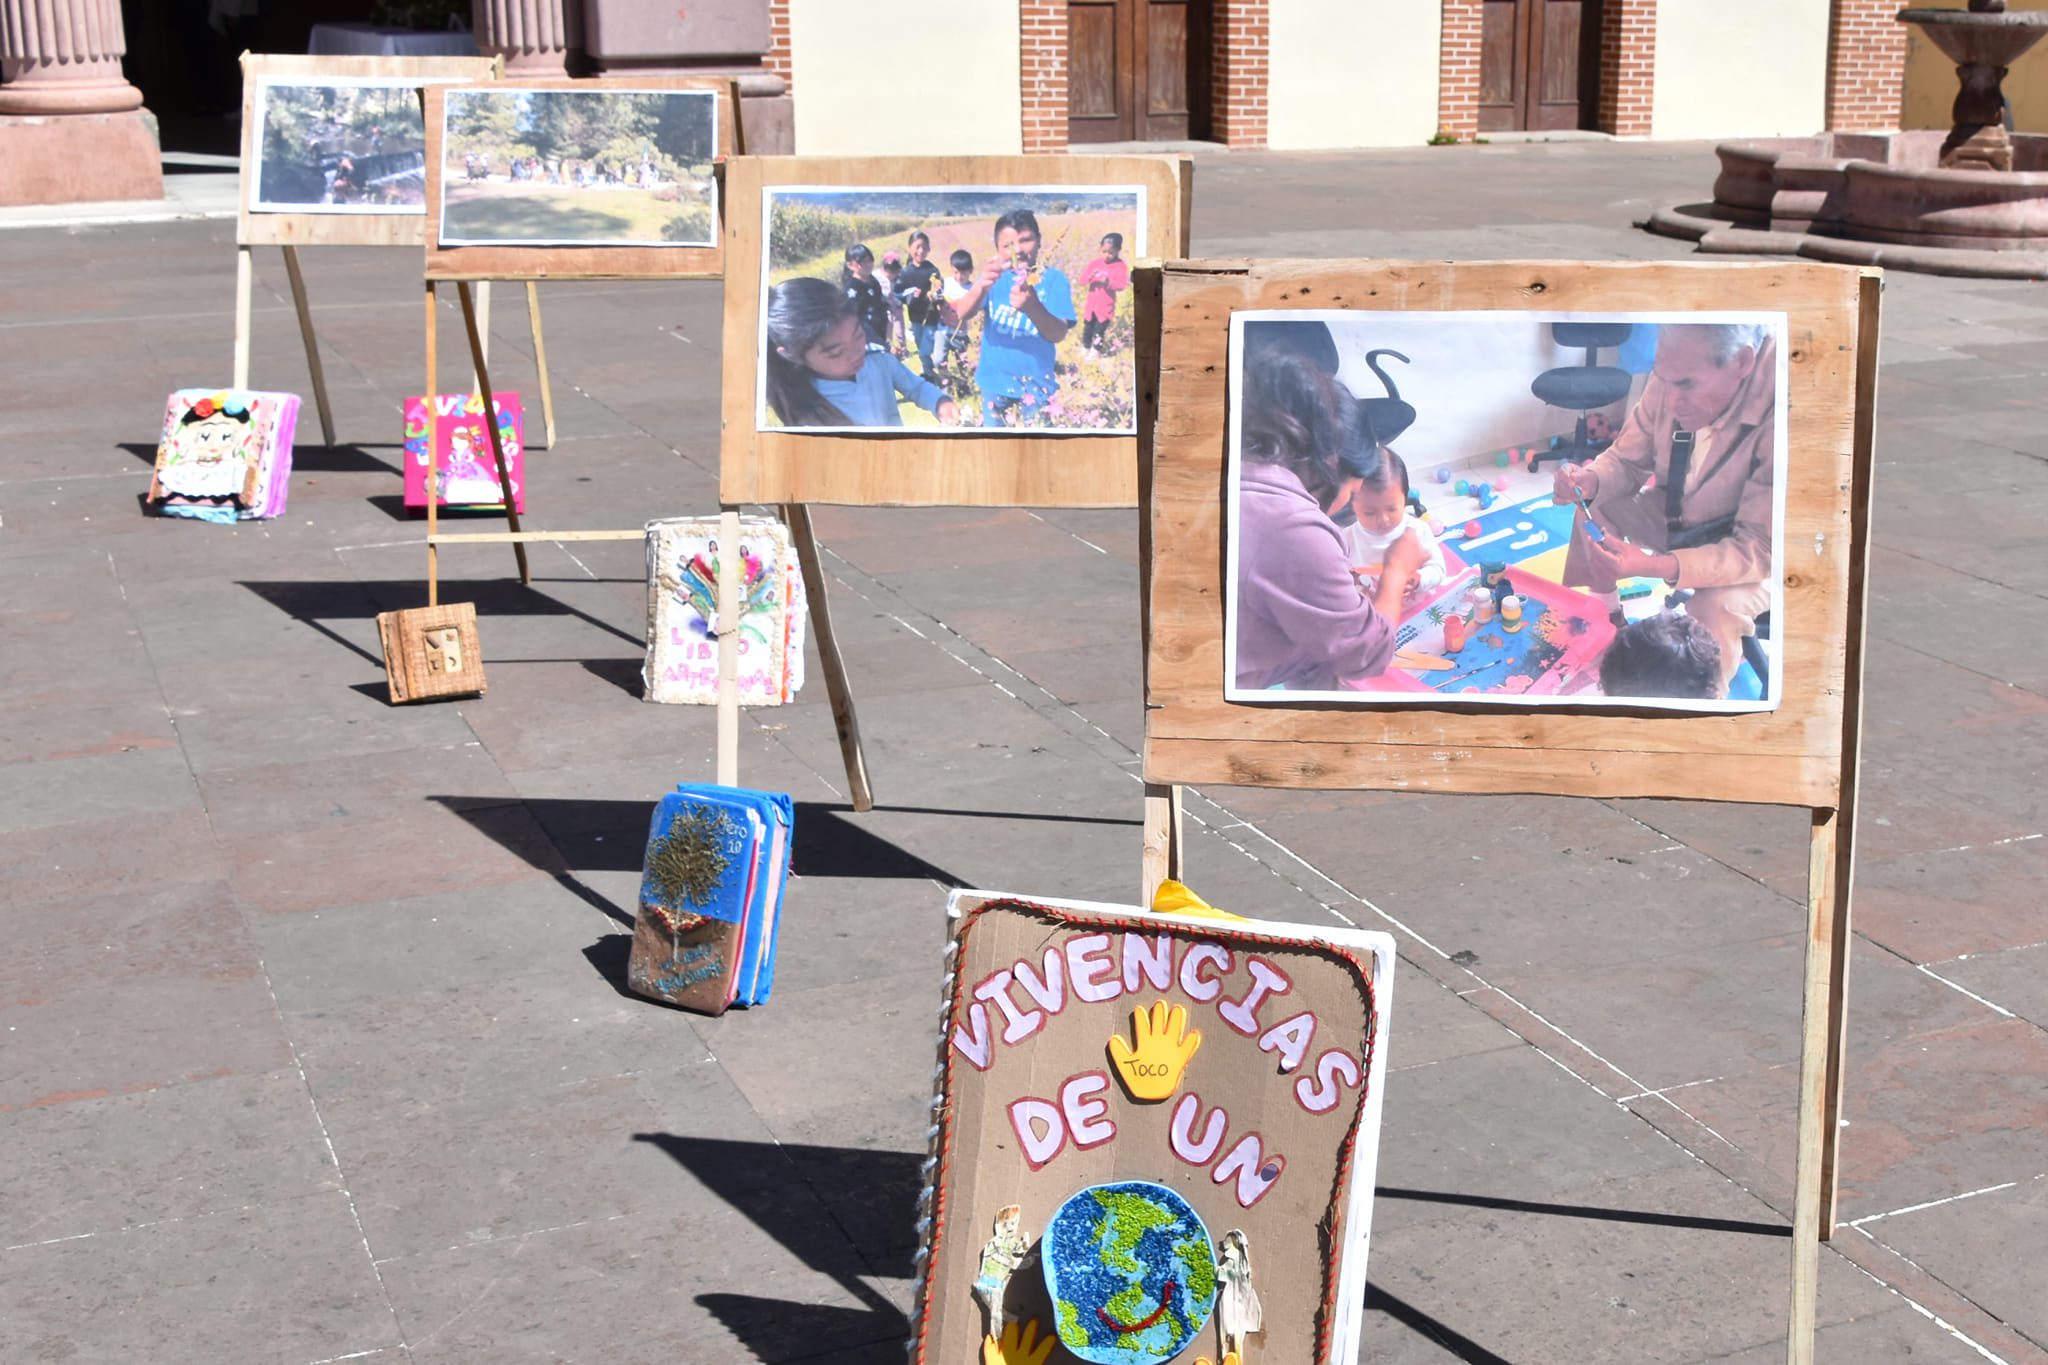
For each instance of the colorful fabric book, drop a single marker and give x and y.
(711, 892)
(682, 604)
(225, 455)
(468, 477)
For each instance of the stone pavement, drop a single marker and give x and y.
(312, 1042)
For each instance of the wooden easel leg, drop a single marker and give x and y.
(483, 380)
(799, 518)
(433, 448)
(1818, 1020)
(305, 312)
(245, 287)
(728, 627)
(1165, 838)
(540, 360)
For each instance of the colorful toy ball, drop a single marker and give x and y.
(1443, 473)
(1556, 441)
(1461, 488)
(1485, 496)
(1503, 457)
(1471, 530)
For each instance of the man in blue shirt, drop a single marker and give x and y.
(1027, 319)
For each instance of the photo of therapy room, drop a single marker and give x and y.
(1506, 508)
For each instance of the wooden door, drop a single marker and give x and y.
(1538, 64)
(1137, 70)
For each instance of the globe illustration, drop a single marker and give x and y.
(1131, 1272)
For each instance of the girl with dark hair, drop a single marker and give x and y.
(820, 371)
(857, 278)
(1302, 622)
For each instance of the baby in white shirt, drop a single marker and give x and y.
(1381, 505)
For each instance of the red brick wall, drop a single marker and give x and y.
(777, 57)
(1238, 65)
(1628, 60)
(1866, 66)
(1042, 50)
(1457, 99)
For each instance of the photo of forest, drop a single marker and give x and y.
(339, 146)
(612, 167)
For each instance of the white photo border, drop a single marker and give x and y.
(1773, 686)
(444, 242)
(768, 195)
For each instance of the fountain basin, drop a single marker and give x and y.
(1875, 198)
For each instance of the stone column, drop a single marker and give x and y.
(72, 129)
(535, 37)
(63, 57)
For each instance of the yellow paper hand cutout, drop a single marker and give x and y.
(1020, 1345)
(1151, 1070)
(1230, 1358)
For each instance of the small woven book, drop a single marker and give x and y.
(431, 652)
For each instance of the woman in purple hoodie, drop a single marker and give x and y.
(1303, 622)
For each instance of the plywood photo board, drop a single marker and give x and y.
(578, 179)
(1789, 750)
(1005, 416)
(1156, 1135)
(334, 148)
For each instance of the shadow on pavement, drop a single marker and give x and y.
(362, 599)
(1668, 1220)
(846, 1212)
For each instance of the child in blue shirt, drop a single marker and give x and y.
(1027, 318)
(821, 371)
(857, 278)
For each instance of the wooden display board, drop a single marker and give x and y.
(558, 262)
(291, 230)
(1001, 470)
(1803, 753)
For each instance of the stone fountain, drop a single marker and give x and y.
(1973, 201)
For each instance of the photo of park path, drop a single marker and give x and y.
(579, 167)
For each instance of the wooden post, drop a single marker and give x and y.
(483, 379)
(433, 438)
(799, 518)
(319, 373)
(728, 627)
(1164, 839)
(1872, 292)
(245, 284)
(1817, 1020)
(540, 361)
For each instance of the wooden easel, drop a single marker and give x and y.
(290, 231)
(796, 469)
(1802, 754)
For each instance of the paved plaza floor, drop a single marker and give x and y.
(313, 1038)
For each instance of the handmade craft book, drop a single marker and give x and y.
(1154, 1136)
(711, 894)
(225, 454)
(682, 604)
(467, 475)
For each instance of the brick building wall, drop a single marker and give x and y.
(1457, 99)
(1042, 54)
(1628, 66)
(1866, 66)
(1239, 61)
(777, 58)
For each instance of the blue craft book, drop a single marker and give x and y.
(710, 897)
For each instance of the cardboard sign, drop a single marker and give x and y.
(1156, 1136)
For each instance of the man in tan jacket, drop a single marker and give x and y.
(1710, 409)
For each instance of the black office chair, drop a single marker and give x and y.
(1582, 388)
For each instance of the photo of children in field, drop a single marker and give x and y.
(949, 310)
(612, 167)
